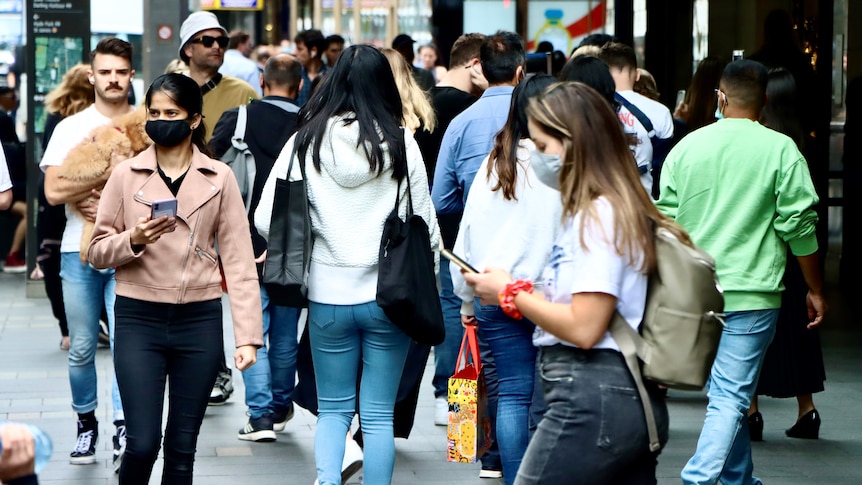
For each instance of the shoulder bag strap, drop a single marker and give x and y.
(642, 118)
(623, 335)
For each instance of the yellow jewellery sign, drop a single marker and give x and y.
(232, 4)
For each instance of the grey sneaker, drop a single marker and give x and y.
(119, 445)
(85, 447)
(222, 389)
(258, 430)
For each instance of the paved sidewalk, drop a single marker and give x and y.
(34, 388)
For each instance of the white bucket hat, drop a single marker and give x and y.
(194, 23)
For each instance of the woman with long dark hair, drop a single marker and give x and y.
(793, 365)
(594, 430)
(510, 220)
(168, 308)
(359, 159)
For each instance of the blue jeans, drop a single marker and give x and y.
(724, 447)
(594, 430)
(511, 345)
(340, 336)
(85, 290)
(446, 354)
(269, 383)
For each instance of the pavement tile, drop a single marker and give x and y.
(34, 389)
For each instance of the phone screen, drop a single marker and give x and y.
(167, 207)
(680, 96)
(460, 262)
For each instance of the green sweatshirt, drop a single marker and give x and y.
(744, 194)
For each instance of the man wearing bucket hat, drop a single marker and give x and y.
(202, 44)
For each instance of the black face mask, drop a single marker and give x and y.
(168, 133)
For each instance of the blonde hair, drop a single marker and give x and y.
(73, 94)
(176, 66)
(416, 105)
(587, 50)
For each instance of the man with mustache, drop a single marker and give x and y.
(84, 288)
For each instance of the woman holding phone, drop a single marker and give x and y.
(511, 219)
(168, 308)
(594, 428)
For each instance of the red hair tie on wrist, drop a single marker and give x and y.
(507, 297)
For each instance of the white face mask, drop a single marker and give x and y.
(547, 168)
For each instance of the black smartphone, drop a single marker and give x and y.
(166, 207)
(460, 262)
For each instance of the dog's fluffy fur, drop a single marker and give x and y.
(89, 160)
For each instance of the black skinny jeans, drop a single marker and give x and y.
(154, 341)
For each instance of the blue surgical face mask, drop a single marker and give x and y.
(718, 113)
(547, 168)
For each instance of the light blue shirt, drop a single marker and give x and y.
(237, 65)
(467, 141)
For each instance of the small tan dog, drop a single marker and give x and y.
(125, 136)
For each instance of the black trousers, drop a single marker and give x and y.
(154, 342)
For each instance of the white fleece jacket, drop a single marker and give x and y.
(349, 204)
(516, 235)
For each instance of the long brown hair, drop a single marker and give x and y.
(700, 97)
(73, 94)
(504, 156)
(597, 162)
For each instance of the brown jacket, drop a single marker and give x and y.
(182, 266)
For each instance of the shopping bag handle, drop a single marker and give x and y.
(470, 342)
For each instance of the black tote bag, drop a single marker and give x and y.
(288, 254)
(406, 283)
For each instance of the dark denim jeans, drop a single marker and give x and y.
(157, 342)
(594, 430)
(511, 345)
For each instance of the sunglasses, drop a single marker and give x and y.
(208, 40)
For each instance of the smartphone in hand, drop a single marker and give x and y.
(166, 207)
(458, 261)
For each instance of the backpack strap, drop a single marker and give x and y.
(289, 107)
(642, 118)
(628, 341)
(238, 139)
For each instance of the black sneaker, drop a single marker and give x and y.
(280, 418)
(85, 447)
(258, 430)
(119, 444)
(222, 389)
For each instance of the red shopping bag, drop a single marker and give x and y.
(469, 431)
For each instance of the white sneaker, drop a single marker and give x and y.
(352, 461)
(441, 411)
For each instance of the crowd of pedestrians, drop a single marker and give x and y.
(551, 186)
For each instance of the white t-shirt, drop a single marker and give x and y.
(5, 179)
(662, 123)
(67, 135)
(571, 269)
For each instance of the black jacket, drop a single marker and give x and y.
(267, 130)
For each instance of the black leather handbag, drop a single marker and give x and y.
(285, 272)
(406, 282)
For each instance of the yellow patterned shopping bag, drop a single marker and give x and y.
(469, 432)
